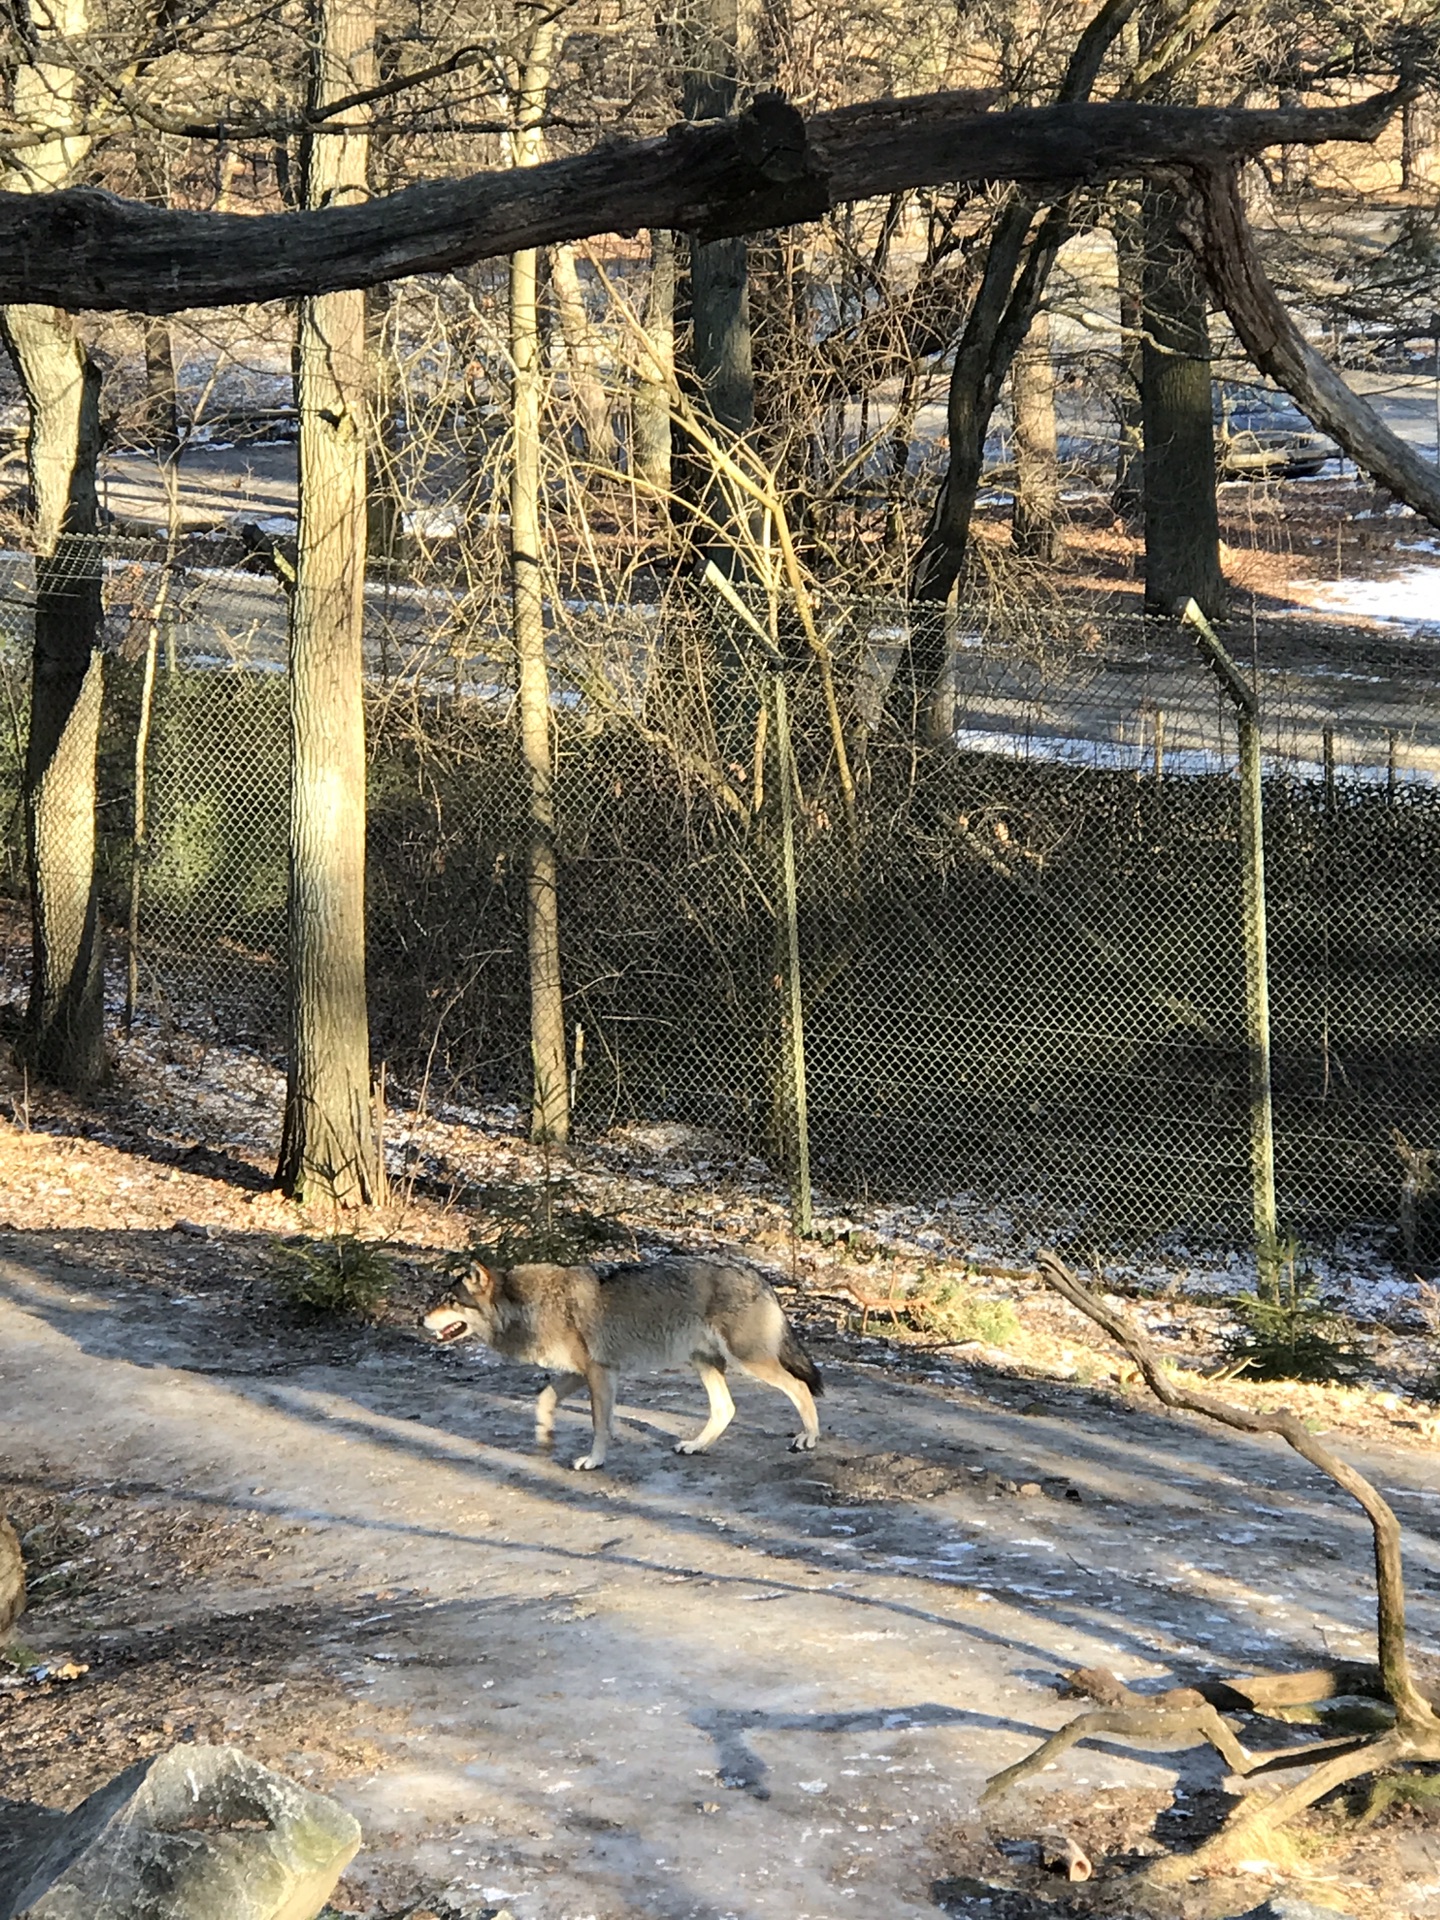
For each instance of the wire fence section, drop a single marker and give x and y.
(978, 940)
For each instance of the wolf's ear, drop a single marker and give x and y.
(481, 1281)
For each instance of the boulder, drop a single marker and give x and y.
(195, 1834)
(12, 1577)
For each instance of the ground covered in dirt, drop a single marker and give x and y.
(742, 1684)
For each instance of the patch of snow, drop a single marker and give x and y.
(1412, 597)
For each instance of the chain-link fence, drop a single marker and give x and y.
(1020, 953)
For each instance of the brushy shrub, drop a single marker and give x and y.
(1290, 1334)
(951, 1310)
(541, 1220)
(339, 1274)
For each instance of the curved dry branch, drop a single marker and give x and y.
(1412, 1709)
(771, 167)
(1253, 1828)
(1222, 238)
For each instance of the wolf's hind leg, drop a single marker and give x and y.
(722, 1408)
(796, 1392)
(602, 1409)
(551, 1394)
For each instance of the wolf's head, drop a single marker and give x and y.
(467, 1308)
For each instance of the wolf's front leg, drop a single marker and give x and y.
(602, 1411)
(551, 1394)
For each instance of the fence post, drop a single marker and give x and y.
(1257, 978)
(801, 1203)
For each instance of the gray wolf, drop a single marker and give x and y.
(706, 1313)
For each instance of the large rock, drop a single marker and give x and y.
(12, 1577)
(199, 1833)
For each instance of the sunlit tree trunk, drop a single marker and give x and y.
(719, 370)
(651, 400)
(550, 1097)
(1036, 521)
(64, 1037)
(329, 1145)
(1127, 494)
(587, 390)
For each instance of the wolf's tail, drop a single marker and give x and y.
(793, 1357)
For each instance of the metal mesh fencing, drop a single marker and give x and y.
(1019, 952)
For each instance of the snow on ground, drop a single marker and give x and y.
(1411, 595)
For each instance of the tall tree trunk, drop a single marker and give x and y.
(160, 413)
(651, 400)
(1036, 521)
(1017, 267)
(720, 372)
(64, 1036)
(329, 1143)
(384, 512)
(550, 1096)
(1417, 141)
(1182, 522)
(1127, 494)
(587, 389)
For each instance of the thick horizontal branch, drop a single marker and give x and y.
(770, 167)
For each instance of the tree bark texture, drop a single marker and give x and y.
(1127, 496)
(1036, 519)
(718, 34)
(384, 479)
(329, 1142)
(768, 167)
(1182, 523)
(64, 1038)
(651, 400)
(1216, 226)
(587, 389)
(550, 1098)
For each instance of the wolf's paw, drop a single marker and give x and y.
(692, 1446)
(804, 1443)
(588, 1462)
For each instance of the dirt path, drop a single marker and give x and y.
(748, 1684)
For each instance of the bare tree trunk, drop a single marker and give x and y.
(384, 513)
(1127, 494)
(1182, 522)
(160, 416)
(587, 389)
(1036, 521)
(715, 302)
(1017, 267)
(1417, 141)
(651, 400)
(64, 1038)
(550, 1098)
(329, 1143)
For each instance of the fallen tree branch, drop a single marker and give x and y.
(1254, 1827)
(1149, 1721)
(1224, 242)
(770, 167)
(1400, 1689)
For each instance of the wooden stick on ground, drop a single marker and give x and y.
(1254, 1825)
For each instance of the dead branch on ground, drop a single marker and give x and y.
(1254, 1827)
